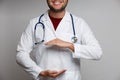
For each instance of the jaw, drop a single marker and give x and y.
(57, 5)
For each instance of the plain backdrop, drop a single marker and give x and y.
(103, 16)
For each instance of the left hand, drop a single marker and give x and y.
(60, 43)
(51, 73)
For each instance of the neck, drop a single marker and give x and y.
(57, 14)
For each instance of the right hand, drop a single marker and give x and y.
(51, 73)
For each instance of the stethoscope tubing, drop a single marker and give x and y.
(73, 25)
(74, 38)
(43, 26)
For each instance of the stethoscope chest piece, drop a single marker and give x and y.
(74, 39)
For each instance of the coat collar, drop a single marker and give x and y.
(66, 19)
(66, 16)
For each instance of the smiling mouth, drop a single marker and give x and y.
(57, 2)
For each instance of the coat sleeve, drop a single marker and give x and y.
(89, 47)
(24, 48)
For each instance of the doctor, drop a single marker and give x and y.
(66, 40)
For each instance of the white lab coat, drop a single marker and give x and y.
(53, 58)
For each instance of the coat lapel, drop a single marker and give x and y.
(63, 27)
(49, 30)
(65, 24)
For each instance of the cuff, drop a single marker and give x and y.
(36, 73)
(76, 53)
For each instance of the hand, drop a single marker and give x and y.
(60, 43)
(51, 73)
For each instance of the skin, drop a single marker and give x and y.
(57, 10)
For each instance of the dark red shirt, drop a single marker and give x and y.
(55, 21)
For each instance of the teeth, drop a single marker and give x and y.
(57, 3)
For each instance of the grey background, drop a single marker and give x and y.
(103, 16)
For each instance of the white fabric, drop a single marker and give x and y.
(53, 58)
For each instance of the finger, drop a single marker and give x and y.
(61, 72)
(49, 43)
(53, 42)
(57, 74)
(53, 72)
(54, 75)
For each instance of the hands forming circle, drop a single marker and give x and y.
(51, 73)
(60, 43)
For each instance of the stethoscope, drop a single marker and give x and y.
(73, 39)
